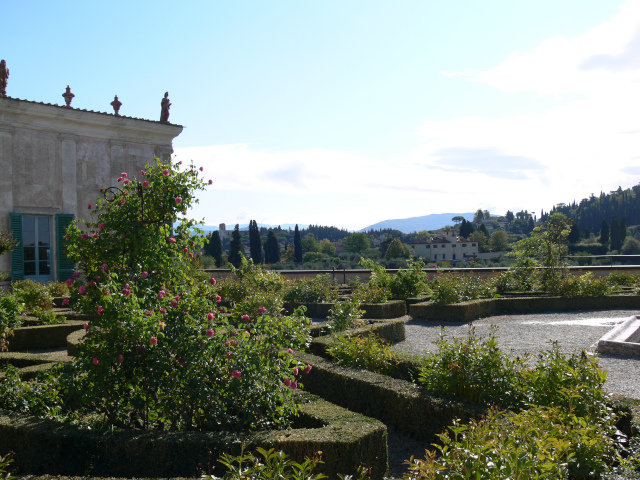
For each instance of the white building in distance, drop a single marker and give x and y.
(446, 247)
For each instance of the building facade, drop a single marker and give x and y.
(53, 162)
(446, 247)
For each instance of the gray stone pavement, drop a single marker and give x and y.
(531, 333)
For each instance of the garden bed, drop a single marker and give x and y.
(347, 439)
(43, 336)
(469, 311)
(389, 309)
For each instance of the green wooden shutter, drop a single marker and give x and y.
(17, 254)
(65, 264)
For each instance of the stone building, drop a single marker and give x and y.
(53, 162)
(446, 247)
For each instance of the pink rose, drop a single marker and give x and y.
(126, 181)
(210, 333)
(163, 311)
(65, 302)
(185, 249)
(104, 267)
(165, 172)
(210, 316)
(148, 313)
(145, 274)
(212, 281)
(106, 292)
(295, 371)
(143, 173)
(245, 318)
(174, 304)
(119, 179)
(145, 183)
(75, 274)
(124, 174)
(287, 382)
(178, 199)
(308, 369)
(229, 355)
(154, 341)
(161, 294)
(95, 361)
(69, 281)
(294, 385)
(162, 324)
(90, 207)
(81, 289)
(290, 351)
(210, 182)
(172, 240)
(262, 309)
(218, 299)
(100, 309)
(101, 226)
(236, 374)
(85, 237)
(85, 325)
(121, 358)
(190, 255)
(202, 169)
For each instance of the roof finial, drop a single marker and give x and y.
(68, 96)
(116, 105)
(165, 104)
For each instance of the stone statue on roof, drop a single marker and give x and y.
(4, 78)
(165, 104)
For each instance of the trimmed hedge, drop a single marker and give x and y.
(43, 336)
(468, 311)
(399, 403)
(347, 439)
(390, 330)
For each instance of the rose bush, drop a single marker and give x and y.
(158, 353)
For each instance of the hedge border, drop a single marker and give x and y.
(469, 311)
(388, 309)
(42, 446)
(43, 336)
(398, 403)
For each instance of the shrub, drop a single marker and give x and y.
(368, 293)
(10, 318)
(410, 282)
(249, 280)
(48, 317)
(38, 397)
(585, 285)
(32, 294)
(345, 314)
(58, 289)
(379, 276)
(455, 288)
(622, 279)
(369, 353)
(312, 290)
(541, 443)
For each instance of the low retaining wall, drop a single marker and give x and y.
(469, 311)
(43, 446)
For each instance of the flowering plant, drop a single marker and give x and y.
(158, 353)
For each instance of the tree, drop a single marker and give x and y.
(297, 245)
(235, 248)
(614, 235)
(478, 217)
(310, 244)
(327, 247)
(509, 216)
(255, 242)
(631, 246)
(481, 239)
(531, 225)
(574, 235)
(214, 247)
(623, 229)
(466, 229)
(483, 229)
(357, 243)
(272, 250)
(604, 232)
(499, 241)
(457, 219)
(397, 249)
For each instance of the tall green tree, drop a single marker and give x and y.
(235, 247)
(255, 242)
(466, 228)
(214, 247)
(604, 232)
(297, 245)
(272, 248)
(614, 235)
(574, 235)
(623, 230)
(499, 241)
(509, 216)
(397, 249)
(357, 243)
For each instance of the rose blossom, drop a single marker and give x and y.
(172, 240)
(65, 302)
(210, 333)
(218, 298)
(95, 361)
(69, 281)
(210, 316)
(145, 274)
(308, 369)
(245, 318)
(121, 358)
(236, 374)
(165, 172)
(262, 309)
(100, 309)
(85, 325)
(178, 199)
(154, 341)
(212, 281)
(145, 183)
(81, 289)
(295, 371)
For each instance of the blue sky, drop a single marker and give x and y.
(346, 112)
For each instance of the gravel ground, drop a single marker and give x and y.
(520, 334)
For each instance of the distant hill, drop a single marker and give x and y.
(415, 224)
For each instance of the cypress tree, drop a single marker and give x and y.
(214, 247)
(574, 234)
(255, 242)
(604, 232)
(614, 235)
(235, 247)
(272, 250)
(623, 230)
(466, 228)
(297, 245)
